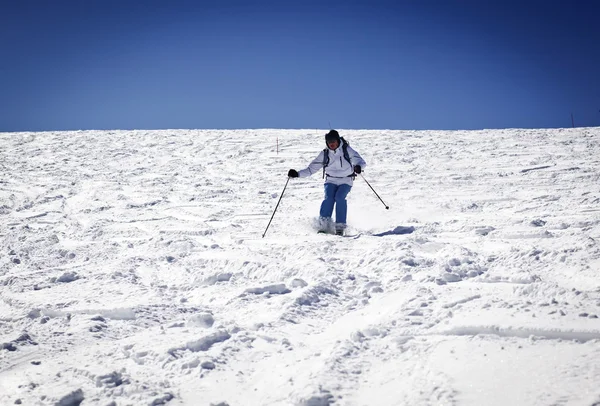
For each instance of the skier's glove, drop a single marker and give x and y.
(293, 173)
(357, 169)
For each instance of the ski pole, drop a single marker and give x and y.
(386, 206)
(286, 183)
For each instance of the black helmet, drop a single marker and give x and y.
(331, 136)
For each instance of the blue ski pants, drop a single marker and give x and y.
(335, 194)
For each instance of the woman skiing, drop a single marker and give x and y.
(341, 163)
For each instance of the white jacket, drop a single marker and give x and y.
(339, 171)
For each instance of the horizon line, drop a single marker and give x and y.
(296, 129)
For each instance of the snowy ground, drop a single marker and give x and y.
(133, 270)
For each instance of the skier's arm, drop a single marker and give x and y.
(315, 166)
(356, 159)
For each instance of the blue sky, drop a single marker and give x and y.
(90, 64)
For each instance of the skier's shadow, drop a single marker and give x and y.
(397, 231)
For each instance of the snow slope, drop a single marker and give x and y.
(133, 270)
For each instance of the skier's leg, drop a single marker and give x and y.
(341, 205)
(328, 202)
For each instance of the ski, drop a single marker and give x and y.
(354, 236)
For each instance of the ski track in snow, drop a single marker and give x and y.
(132, 270)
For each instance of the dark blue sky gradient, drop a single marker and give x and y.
(126, 64)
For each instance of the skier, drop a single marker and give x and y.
(340, 165)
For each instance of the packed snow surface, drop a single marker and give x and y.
(133, 269)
